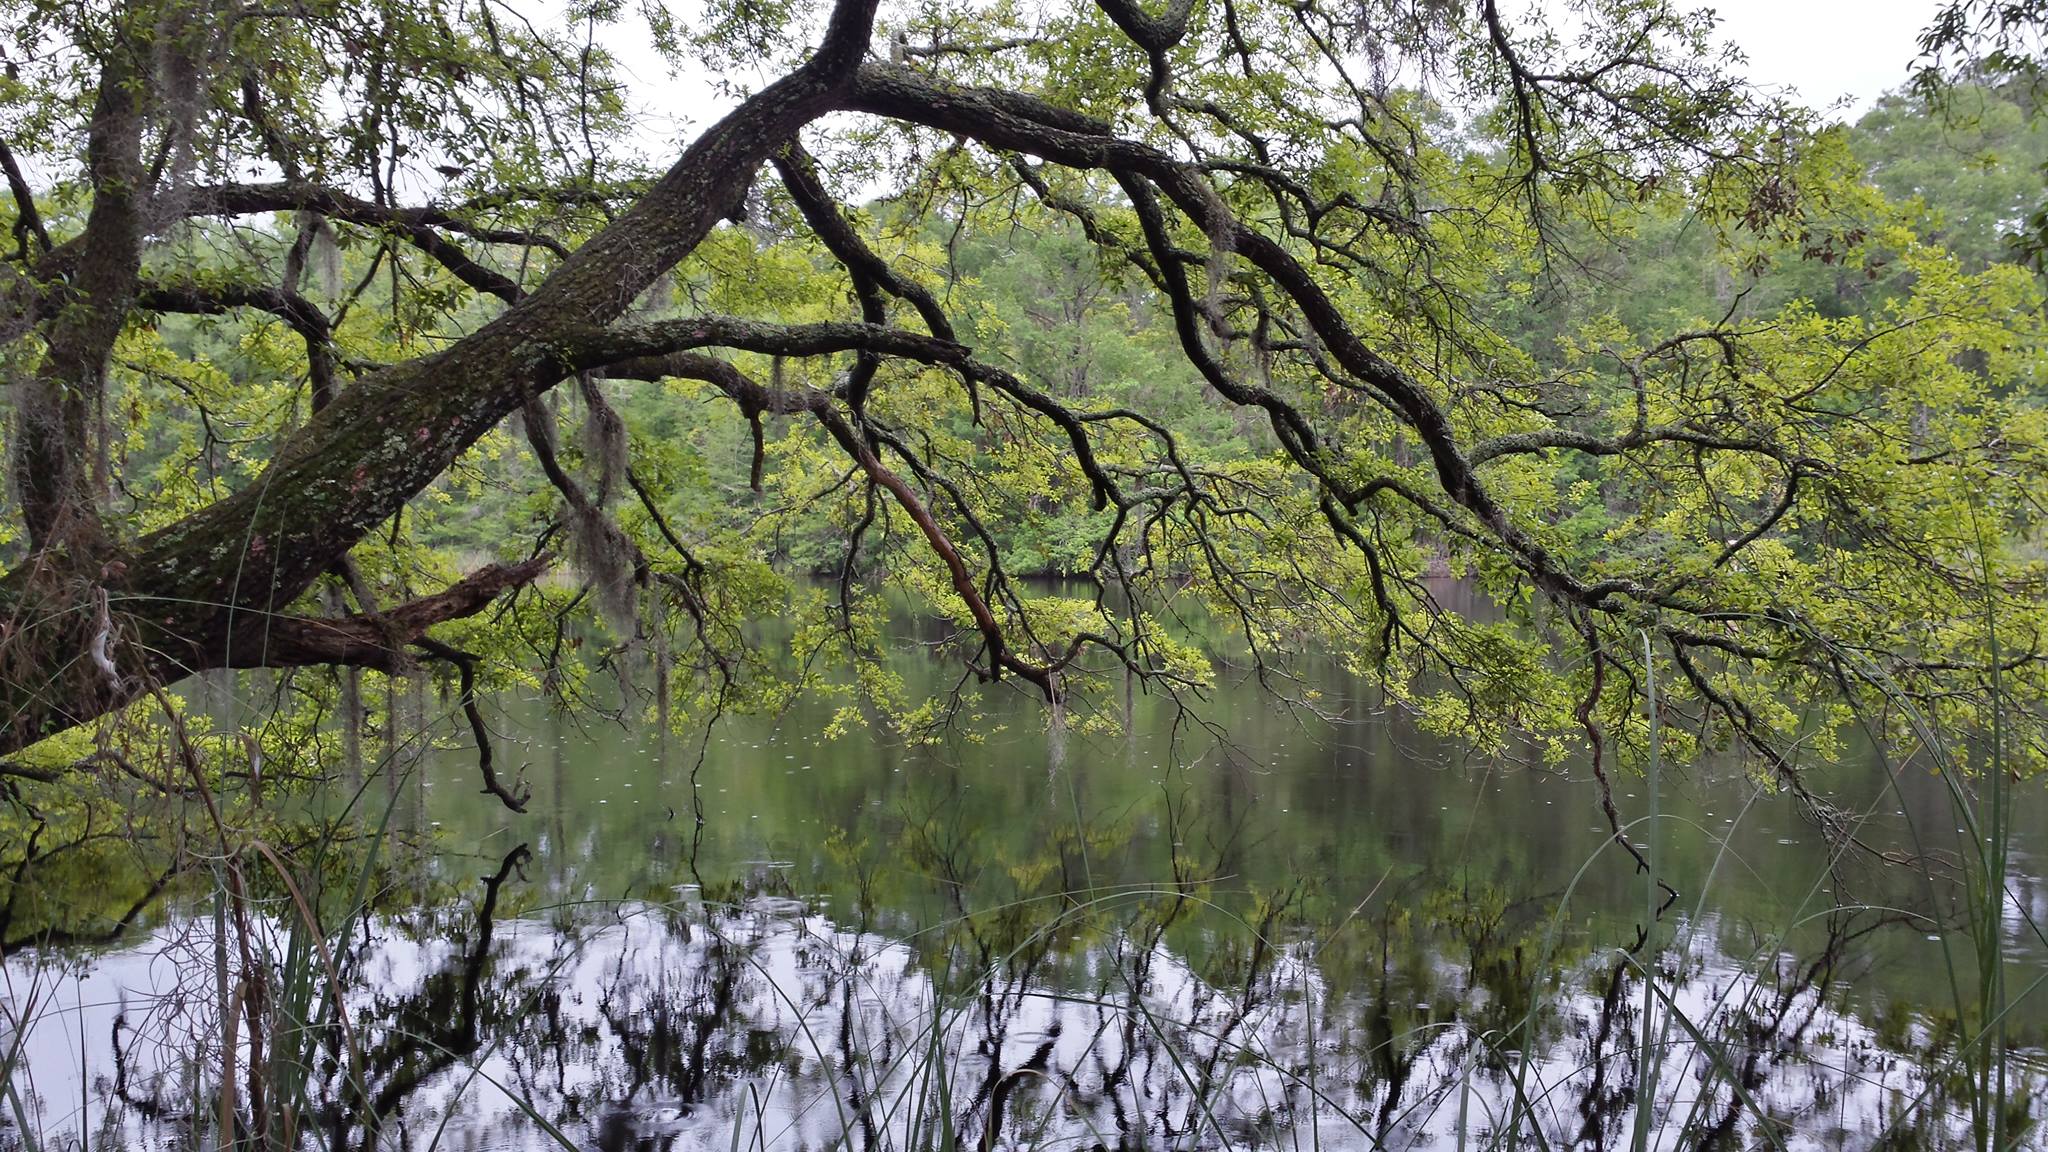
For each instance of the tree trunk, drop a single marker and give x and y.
(205, 592)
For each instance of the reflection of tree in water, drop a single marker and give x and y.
(431, 1030)
(1051, 1008)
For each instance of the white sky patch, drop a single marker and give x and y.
(1828, 50)
(1838, 56)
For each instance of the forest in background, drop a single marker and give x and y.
(1675, 358)
(1035, 296)
(1913, 188)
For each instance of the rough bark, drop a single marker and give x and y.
(58, 406)
(379, 640)
(192, 596)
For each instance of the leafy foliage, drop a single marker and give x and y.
(1259, 351)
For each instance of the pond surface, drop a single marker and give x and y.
(1344, 935)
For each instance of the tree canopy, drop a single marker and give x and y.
(1269, 310)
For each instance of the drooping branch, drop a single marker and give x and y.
(28, 220)
(465, 667)
(999, 654)
(873, 275)
(1469, 507)
(1021, 123)
(752, 396)
(609, 559)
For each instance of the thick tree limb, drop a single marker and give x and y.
(376, 640)
(186, 589)
(197, 299)
(60, 403)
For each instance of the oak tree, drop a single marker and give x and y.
(288, 280)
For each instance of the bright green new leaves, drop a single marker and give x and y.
(1621, 351)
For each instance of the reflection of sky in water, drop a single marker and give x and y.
(670, 1026)
(1424, 882)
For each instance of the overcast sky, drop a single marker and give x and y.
(1825, 50)
(1828, 49)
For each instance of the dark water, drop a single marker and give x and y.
(1339, 935)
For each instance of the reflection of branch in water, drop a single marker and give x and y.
(696, 785)
(849, 1053)
(657, 1052)
(647, 1033)
(1011, 945)
(1261, 958)
(1140, 977)
(1136, 974)
(431, 1030)
(1599, 1104)
(70, 937)
(1763, 1040)
(1392, 1062)
(148, 1106)
(992, 1127)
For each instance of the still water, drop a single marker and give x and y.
(1279, 932)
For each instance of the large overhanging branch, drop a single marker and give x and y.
(1016, 122)
(373, 640)
(873, 280)
(383, 441)
(1013, 122)
(214, 588)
